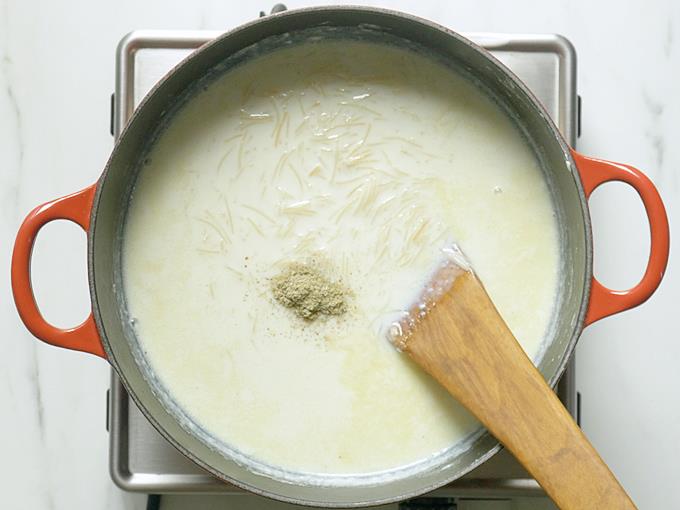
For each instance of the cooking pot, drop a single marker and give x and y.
(99, 209)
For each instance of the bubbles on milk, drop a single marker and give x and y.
(452, 264)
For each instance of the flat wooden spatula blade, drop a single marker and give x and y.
(461, 340)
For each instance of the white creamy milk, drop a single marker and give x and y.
(365, 160)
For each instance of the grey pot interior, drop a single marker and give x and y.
(113, 194)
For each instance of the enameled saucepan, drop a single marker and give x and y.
(99, 210)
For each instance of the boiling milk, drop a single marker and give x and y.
(365, 160)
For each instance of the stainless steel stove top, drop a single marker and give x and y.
(140, 458)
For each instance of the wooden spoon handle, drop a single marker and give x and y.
(468, 348)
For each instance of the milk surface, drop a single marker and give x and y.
(363, 159)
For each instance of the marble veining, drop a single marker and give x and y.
(654, 133)
(56, 76)
(34, 377)
(10, 187)
(6, 66)
(11, 193)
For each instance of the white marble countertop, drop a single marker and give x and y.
(56, 76)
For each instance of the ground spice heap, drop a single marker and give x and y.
(308, 292)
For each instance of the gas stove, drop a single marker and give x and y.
(141, 460)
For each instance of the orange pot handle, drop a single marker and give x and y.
(604, 301)
(76, 208)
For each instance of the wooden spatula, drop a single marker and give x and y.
(456, 334)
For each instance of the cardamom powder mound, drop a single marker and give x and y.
(308, 292)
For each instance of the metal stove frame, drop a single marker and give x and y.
(141, 460)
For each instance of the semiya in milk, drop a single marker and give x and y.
(365, 160)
